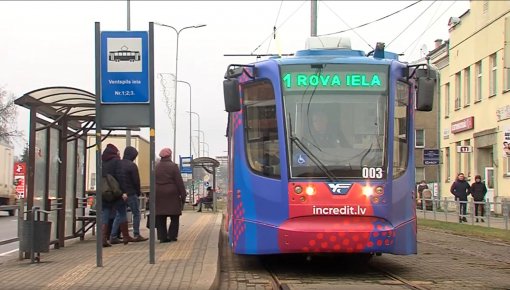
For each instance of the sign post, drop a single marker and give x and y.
(124, 100)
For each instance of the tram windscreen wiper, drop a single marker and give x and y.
(310, 155)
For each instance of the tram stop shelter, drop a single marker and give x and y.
(60, 118)
(205, 165)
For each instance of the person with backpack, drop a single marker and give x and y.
(131, 186)
(111, 203)
(461, 189)
(478, 190)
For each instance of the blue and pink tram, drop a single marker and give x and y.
(321, 151)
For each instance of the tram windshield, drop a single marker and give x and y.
(336, 118)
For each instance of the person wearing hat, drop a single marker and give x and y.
(170, 197)
(208, 198)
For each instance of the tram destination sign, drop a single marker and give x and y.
(334, 78)
(124, 67)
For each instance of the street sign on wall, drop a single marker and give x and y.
(124, 67)
(430, 156)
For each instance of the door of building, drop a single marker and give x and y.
(489, 182)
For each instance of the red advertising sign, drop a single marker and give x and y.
(463, 125)
(19, 178)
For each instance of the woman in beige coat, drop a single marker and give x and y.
(170, 197)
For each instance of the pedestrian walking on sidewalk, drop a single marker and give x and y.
(461, 189)
(478, 191)
(170, 197)
(131, 183)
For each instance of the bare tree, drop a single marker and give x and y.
(8, 114)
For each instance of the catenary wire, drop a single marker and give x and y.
(428, 27)
(346, 24)
(274, 26)
(412, 22)
(274, 31)
(373, 21)
(420, 36)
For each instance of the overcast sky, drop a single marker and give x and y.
(51, 43)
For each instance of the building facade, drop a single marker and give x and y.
(474, 101)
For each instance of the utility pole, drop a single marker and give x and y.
(128, 131)
(313, 14)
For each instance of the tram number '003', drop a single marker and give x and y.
(371, 172)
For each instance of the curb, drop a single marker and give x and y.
(210, 276)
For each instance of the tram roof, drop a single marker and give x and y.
(54, 102)
(337, 56)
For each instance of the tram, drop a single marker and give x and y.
(321, 150)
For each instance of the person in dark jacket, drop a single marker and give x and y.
(110, 159)
(170, 197)
(461, 189)
(478, 191)
(131, 186)
(208, 198)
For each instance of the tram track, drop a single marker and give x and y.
(380, 278)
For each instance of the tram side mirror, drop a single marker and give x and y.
(231, 95)
(427, 89)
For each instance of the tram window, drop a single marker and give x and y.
(261, 129)
(400, 143)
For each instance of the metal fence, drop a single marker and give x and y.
(482, 213)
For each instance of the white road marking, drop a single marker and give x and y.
(8, 252)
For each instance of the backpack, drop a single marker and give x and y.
(111, 188)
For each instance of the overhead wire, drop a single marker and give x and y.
(322, 2)
(373, 21)
(274, 26)
(420, 36)
(428, 27)
(412, 22)
(274, 30)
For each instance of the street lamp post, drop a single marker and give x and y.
(178, 32)
(198, 116)
(203, 138)
(203, 148)
(189, 85)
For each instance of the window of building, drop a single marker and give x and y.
(478, 84)
(493, 75)
(506, 163)
(447, 100)
(261, 130)
(467, 86)
(419, 174)
(458, 90)
(447, 163)
(507, 54)
(420, 138)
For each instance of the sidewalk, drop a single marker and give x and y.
(492, 222)
(189, 263)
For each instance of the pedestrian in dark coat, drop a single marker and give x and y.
(131, 186)
(170, 197)
(478, 190)
(461, 189)
(110, 165)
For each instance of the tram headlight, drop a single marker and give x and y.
(298, 189)
(310, 190)
(368, 190)
(379, 190)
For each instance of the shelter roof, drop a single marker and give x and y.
(54, 102)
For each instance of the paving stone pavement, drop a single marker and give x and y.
(189, 263)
